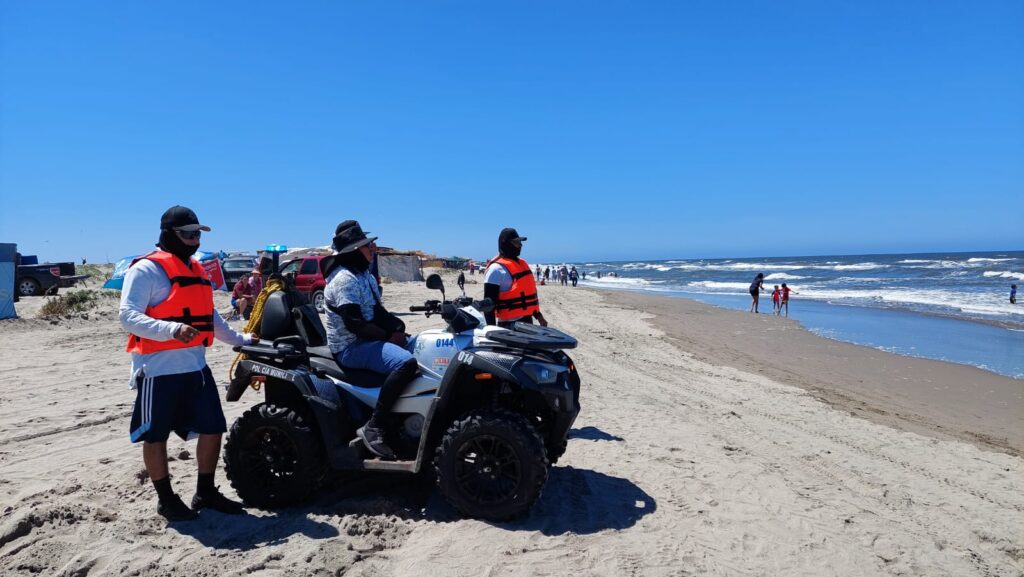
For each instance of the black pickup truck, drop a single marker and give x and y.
(45, 278)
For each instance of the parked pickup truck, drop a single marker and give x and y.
(45, 278)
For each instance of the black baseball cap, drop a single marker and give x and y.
(508, 235)
(181, 218)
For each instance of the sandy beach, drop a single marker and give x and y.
(710, 443)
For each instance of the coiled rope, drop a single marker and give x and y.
(256, 317)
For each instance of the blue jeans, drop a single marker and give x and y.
(377, 356)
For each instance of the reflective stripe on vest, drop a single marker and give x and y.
(190, 302)
(520, 300)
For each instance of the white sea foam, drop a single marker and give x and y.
(858, 266)
(989, 259)
(718, 286)
(914, 261)
(859, 279)
(618, 280)
(1004, 274)
(783, 276)
(989, 304)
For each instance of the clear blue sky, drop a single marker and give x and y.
(601, 130)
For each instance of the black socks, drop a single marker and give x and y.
(205, 484)
(163, 489)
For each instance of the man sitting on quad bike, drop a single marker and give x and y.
(361, 333)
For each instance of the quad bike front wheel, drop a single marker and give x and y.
(272, 457)
(491, 465)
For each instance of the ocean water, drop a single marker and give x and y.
(947, 306)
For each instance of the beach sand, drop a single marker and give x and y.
(691, 457)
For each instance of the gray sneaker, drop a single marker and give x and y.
(373, 438)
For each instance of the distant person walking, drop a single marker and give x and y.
(755, 291)
(537, 273)
(785, 298)
(547, 273)
(776, 300)
(1013, 294)
(574, 276)
(563, 275)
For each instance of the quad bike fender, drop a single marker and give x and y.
(464, 363)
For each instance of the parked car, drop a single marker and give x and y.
(45, 278)
(236, 268)
(309, 279)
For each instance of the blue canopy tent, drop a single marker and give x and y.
(7, 270)
(208, 259)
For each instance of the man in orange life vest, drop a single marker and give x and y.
(509, 282)
(167, 309)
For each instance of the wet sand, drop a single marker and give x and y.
(941, 399)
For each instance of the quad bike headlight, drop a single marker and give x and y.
(542, 373)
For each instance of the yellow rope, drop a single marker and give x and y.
(256, 316)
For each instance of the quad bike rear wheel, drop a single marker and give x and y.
(273, 457)
(491, 465)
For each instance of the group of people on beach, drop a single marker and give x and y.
(780, 296)
(167, 308)
(563, 274)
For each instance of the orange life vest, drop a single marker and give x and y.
(190, 302)
(520, 300)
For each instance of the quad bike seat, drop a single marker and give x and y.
(358, 377)
(282, 318)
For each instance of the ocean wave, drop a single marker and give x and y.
(989, 259)
(860, 279)
(711, 284)
(1004, 274)
(858, 266)
(618, 280)
(986, 303)
(783, 276)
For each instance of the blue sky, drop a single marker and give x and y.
(601, 130)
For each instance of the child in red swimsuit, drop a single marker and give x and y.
(785, 298)
(776, 305)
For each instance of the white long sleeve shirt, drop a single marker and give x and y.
(146, 284)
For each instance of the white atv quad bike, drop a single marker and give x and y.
(490, 409)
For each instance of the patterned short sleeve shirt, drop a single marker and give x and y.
(345, 287)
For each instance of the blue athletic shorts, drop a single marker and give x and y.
(184, 403)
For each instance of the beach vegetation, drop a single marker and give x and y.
(72, 303)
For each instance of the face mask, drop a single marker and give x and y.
(510, 250)
(353, 260)
(170, 242)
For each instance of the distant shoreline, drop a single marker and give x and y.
(932, 397)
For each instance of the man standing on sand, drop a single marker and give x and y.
(167, 307)
(510, 285)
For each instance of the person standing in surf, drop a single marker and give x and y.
(785, 298)
(776, 303)
(755, 291)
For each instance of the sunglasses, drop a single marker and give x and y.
(189, 234)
